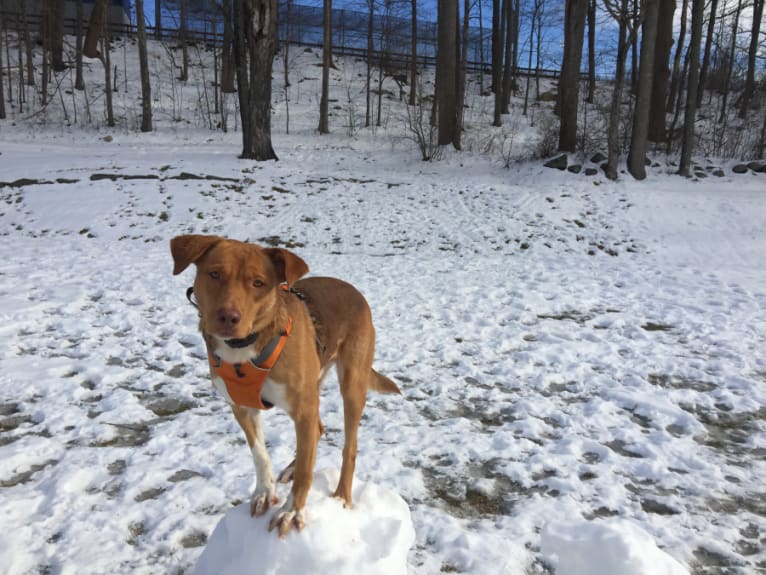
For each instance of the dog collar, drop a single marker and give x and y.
(244, 381)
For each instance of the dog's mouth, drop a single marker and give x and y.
(241, 342)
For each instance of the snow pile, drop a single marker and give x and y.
(372, 538)
(605, 548)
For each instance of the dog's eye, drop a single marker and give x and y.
(215, 275)
(258, 283)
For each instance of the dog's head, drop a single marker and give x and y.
(237, 283)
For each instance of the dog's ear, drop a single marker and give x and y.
(188, 249)
(288, 266)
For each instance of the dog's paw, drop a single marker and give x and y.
(262, 501)
(284, 520)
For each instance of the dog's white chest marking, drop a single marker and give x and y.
(276, 394)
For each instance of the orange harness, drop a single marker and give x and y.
(244, 381)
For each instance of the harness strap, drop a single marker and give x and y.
(244, 381)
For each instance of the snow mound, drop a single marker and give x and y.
(605, 548)
(371, 538)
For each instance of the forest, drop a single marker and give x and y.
(628, 78)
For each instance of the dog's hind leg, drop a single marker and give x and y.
(264, 495)
(353, 384)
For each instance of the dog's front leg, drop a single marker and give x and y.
(292, 513)
(265, 494)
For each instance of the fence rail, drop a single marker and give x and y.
(396, 63)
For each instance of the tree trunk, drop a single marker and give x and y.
(370, 47)
(56, 34)
(747, 93)
(413, 52)
(227, 51)
(96, 26)
(508, 65)
(107, 73)
(2, 95)
(591, 50)
(569, 80)
(461, 81)
(662, 46)
(158, 19)
(730, 67)
(182, 39)
(446, 61)
(639, 134)
(690, 114)
(79, 82)
(255, 43)
(143, 60)
(675, 76)
(324, 124)
(708, 49)
(497, 62)
(613, 129)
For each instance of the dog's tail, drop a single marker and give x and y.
(381, 383)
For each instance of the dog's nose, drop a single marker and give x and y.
(228, 317)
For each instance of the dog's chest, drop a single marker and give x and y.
(272, 392)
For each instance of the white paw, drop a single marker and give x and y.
(262, 500)
(285, 519)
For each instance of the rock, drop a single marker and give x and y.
(108, 139)
(757, 167)
(575, 168)
(598, 157)
(591, 171)
(559, 162)
(739, 169)
(549, 96)
(718, 172)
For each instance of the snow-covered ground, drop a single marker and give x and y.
(581, 361)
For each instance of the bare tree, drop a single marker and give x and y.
(446, 62)
(79, 82)
(461, 75)
(183, 40)
(662, 47)
(675, 75)
(640, 133)
(497, 61)
(55, 33)
(569, 79)
(690, 113)
(227, 50)
(535, 23)
(370, 48)
(752, 53)
(730, 66)
(413, 51)
(158, 19)
(508, 64)
(2, 95)
(96, 27)
(591, 50)
(324, 127)
(143, 61)
(255, 43)
(626, 33)
(107, 61)
(708, 50)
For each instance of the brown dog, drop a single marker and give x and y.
(260, 332)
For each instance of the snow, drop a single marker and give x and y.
(581, 360)
(620, 546)
(372, 537)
